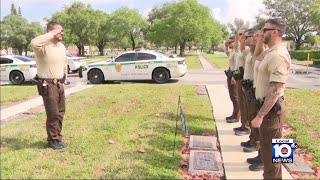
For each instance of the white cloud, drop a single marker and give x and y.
(216, 13)
(244, 9)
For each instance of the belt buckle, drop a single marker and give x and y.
(55, 81)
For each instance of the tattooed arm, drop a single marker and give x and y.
(275, 90)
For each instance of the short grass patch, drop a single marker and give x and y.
(11, 94)
(104, 129)
(192, 61)
(217, 60)
(303, 116)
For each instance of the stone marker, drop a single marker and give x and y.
(206, 162)
(202, 90)
(298, 165)
(208, 143)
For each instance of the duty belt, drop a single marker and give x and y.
(53, 81)
(276, 106)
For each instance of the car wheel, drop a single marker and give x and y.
(68, 69)
(74, 71)
(161, 75)
(16, 77)
(95, 76)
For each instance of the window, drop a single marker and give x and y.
(145, 56)
(125, 57)
(5, 61)
(24, 58)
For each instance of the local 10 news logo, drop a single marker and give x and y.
(283, 150)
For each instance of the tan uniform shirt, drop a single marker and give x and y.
(240, 59)
(255, 72)
(274, 67)
(51, 58)
(248, 67)
(232, 61)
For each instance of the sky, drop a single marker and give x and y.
(224, 11)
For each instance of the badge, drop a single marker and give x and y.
(55, 81)
(118, 67)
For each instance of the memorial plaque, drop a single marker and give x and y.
(202, 90)
(208, 143)
(206, 162)
(298, 165)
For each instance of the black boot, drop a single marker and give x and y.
(54, 145)
(256, 167)
(255, 160)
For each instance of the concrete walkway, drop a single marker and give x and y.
(234, 158)
(32, 103)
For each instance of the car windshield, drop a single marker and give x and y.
(161, 55)
(24, 58)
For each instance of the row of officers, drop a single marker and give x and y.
(259, 64)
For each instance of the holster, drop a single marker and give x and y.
(276, 107)
(228, 73)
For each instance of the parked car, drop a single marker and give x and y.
(137, 65)
(75, 62)
(17, 69)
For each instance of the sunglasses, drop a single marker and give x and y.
(246, 37)
(240, 34)
(269, 29)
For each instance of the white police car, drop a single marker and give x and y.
(17, 69)
(75, 62)
(137, 65)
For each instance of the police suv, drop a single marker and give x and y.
(137, 65)
(17, 69)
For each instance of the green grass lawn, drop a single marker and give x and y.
(302, 62)
(10, 94)
(303, 115)
(192, 61)
(97, 59)
(217, 60)
(134, 117)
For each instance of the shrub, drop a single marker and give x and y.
(303, 54)
(316, 62)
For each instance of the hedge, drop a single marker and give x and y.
(316, 61)
(302, 55)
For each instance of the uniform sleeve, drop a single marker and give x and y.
(246, 51)
(278, 68)
(66, 64)
(38, 42)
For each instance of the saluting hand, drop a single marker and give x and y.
(256, 122)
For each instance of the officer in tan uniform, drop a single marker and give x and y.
(50, 55)
(256, 162)
(238, 76)
(229, 49)
(271, 79)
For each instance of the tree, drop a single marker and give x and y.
(13, 10)
(219, 33)
(297, 16)
(80, 24)
(158, 32)
(104, 34)
(188, 21)
(313, 39)
(19, 12)
(15, 31)
(129, 23)
(315, 15)
(238, 23)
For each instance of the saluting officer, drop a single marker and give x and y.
(238, 76)
(229, 49)
(50, 55)
(271, 79)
